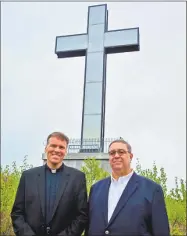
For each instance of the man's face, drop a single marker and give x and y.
(56, 150)
(119, 157)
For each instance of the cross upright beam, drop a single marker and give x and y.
(95, 45)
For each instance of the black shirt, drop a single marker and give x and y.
(51, 186)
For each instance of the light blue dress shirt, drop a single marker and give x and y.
(115, 191)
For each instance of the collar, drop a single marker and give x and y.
(54, 170)
(123, 179)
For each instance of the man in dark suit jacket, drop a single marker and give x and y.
(51, 199)
(126, 204)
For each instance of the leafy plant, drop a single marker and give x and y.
(10, 177)
(93, 171)
(175, 198)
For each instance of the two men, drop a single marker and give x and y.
(52, 199)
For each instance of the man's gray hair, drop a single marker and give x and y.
(121, 140)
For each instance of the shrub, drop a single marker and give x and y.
(9, 182)
(175, 198)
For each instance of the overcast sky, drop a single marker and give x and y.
(145, 100)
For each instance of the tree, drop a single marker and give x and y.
(154, 174)
(175, 198)
(10, 177)
(93, 171)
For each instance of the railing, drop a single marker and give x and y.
(88, 145)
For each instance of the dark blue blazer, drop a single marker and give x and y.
(140, 211)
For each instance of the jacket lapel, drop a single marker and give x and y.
(63, 181)
(127, 193)
(41, 188)
(105, 191)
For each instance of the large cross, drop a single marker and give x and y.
(95, 44)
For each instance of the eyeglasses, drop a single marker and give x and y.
(120, 152)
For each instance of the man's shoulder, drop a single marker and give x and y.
(74, 171)
(101, 182)
(149, 183)
(33, 170)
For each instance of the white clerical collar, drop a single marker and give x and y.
(53, 171)
(122, 179)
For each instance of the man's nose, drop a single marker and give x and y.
(57, 149)
(116, 155)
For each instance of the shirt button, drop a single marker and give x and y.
(106, 232)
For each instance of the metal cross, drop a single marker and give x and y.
(95, 45)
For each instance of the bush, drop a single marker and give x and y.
(175, 198)
(93, 171)
(9, 182)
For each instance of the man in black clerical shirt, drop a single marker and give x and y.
(51, 199)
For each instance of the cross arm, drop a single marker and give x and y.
(71, 45)
(123, 40)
